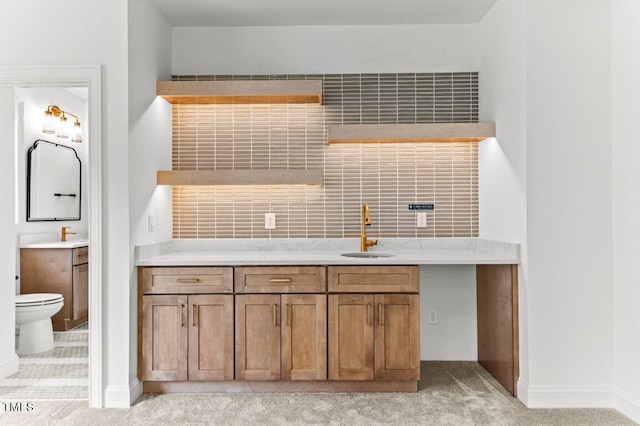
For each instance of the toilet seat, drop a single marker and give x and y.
(38, 299)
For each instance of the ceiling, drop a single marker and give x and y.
(222, 13)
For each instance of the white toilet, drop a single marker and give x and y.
(33, 316)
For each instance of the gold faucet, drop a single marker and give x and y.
(65, 233)
(366, 220)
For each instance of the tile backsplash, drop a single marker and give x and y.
(387, 176)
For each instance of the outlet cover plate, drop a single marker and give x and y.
(269, 221)
(432, 316)
(421, 220)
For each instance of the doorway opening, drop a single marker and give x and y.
(82, 81)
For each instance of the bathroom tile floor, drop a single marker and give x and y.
(59, 374)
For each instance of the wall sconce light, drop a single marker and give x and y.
(60, 127)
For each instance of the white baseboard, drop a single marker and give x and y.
(523, 391)
(600, 397)
(627, 405)
(556, 397)
(9, 366)
(122, 396)
(136, 390)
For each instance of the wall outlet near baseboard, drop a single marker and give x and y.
(432, 316)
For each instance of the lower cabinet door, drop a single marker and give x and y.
(211, 337)
(304, 336)
(397, 337)
(351, 337)
(258, 337)
(80, 291)
(164, 338)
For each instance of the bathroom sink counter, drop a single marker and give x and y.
(57, 244)
(222, 252)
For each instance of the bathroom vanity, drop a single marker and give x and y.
(58, 268)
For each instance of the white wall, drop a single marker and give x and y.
(503, 161)
(8, 358)
(324, 49)
(89, 33)
(569, 203)
(35, 101)
(626, 204)
(451, 289)
(149, 143)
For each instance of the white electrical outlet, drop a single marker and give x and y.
(432, 316)
(421, 220)
(152, 223)
(269, 221)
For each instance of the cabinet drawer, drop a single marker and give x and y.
(280, 279)
(377, 279)
(187, 280)
(80, 255)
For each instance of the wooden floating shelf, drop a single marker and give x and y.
(240, 177)
(241, 91)
(398, 133)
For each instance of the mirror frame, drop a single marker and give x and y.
(32, 148)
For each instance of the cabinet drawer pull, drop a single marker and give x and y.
(380, 314)
(188, 280)
(280, 280)
(369, 313)
(195, 315)
(183, 315)
(288, 314)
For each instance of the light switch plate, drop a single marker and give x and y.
(421, 220)
(269, 221)
(152, 223)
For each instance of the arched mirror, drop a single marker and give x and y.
(53, 182)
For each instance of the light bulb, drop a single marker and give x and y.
(61, 130)
(76, 134)
(49, 124)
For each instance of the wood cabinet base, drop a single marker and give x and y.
(261, 386)
(498, 339)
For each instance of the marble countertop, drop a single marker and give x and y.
(405, 251)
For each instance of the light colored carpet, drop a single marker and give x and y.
(450, 393)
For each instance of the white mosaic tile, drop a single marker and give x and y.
(59, 374)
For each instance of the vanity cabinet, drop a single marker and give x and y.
(59, 270)
(186, 324)
(374, 336)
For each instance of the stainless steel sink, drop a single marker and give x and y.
(367, 255)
